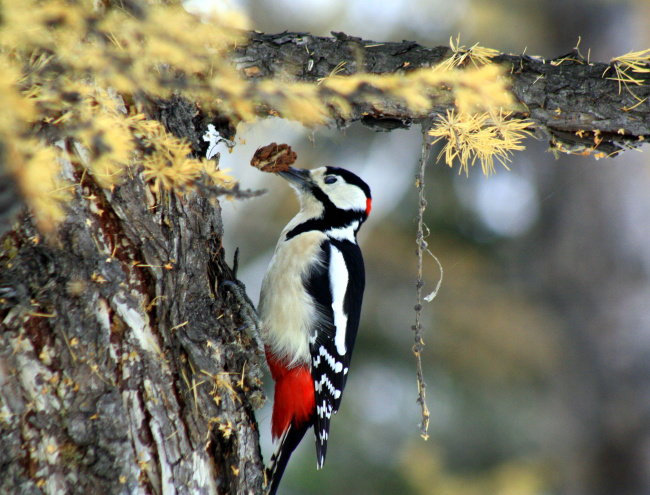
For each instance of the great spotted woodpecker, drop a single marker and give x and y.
(310, 306)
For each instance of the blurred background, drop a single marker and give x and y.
(537, 355)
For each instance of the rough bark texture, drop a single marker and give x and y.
(562, 96)
(124, 364)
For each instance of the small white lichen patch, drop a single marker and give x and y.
(138, 322)
(203, 474)
(213, 136)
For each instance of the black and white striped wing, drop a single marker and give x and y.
(338, 296)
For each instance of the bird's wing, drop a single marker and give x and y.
(338, 303)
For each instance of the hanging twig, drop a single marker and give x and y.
(419, 284)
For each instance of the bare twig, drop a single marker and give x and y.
(419, 284)
(212, 191)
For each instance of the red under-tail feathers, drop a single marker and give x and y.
(294, 402)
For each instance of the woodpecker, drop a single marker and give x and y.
(310, 306)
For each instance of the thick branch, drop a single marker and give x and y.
(575, 101)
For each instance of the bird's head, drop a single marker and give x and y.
(331, 192)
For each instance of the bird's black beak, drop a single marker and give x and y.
(297, 176)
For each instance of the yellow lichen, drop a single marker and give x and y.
(483, 136)
(635, 62)
(461, 55)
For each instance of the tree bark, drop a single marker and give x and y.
(575, 102)
(124, 365)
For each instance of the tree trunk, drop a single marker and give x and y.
(124, 365)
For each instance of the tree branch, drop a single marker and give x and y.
(578, 104)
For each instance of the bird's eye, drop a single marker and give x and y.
(330, 179)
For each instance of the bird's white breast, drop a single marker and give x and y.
(287, 311)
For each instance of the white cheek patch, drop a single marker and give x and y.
(338, 285)
(347, 197)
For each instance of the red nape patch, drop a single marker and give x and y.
(294, 400)
(368, 206)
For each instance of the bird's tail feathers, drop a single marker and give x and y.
(286, 445)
